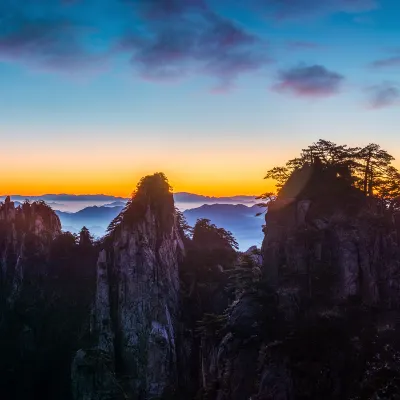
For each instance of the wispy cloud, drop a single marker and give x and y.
(309, 81)
(293, 9)
(383, 95)
(45, 37)
(388, 62)
(163, 39)
(171, 39)
(160, 9)
(303, 45)
(193, 43)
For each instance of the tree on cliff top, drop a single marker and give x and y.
(367, 168)
(328, 153)
(85, 237)
(209, 235)
(375, 168)
(152, 191)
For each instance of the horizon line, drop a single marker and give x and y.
(119, 197)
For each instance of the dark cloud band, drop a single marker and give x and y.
(309, 81)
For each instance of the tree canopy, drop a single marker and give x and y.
(209, 234)
(367, 168)
(152, 191)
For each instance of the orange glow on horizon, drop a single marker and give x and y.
(111, 169)
(124, 187)
(107, 167)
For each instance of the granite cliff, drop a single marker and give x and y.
(45, 296)
(322, 320)
(136, 307)
(157, 310)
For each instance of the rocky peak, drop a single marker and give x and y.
(37, 218)
(322, 224)
(136, 306)
(26, 234)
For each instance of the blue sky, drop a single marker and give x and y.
(96, 93)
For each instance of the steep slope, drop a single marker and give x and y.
(45, 293)
(26, 233)
(135, 316)
(323, 321)
(322, 225)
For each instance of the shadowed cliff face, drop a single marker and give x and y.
(45, 296)
(323, 322)
(147, 313)
(135, 316)
(322, 227)
(26, 233)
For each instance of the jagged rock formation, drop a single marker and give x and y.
(323, 321)
(135, 315)
(322, 227)
(204, 274)
(148, 313)
(26, 233)
(44, 296)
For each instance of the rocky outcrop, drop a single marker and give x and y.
(231, 351)
(26, 233)
(322, 231)
(311, 327)
(135, 315)
(45, 289)
(147, 313)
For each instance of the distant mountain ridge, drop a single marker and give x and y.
(236, 213)
(94, 218)
(178, 196)
(240, 219)
(185, 197)
(65, 197)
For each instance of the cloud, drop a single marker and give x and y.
(39, 36)
(302, 45)
(156, 9)
(294, 9)
(50, 45)
(383, 95)
(309, 81)
(386, 62)
(201, 43)
(164, 39)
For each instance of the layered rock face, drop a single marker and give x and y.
(322, 230)
(135, 315)
(45, 291)
(143, 314)
(26, 234)
(323, 321)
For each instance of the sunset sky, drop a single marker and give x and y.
(94, 94)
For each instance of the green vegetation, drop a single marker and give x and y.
(152, 191)
(369, 169)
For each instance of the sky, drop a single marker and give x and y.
(95, 94)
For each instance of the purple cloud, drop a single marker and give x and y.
(293, 9)
(309, 81)
(52, 42)
(387, 62)
(301, 45)
(50, 45)
(164, 39)
(201, 43)
(167, 8)
(383, 95)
